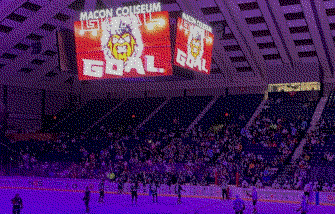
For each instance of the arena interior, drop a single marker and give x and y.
(195, 98)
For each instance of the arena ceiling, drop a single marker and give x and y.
(249, 34)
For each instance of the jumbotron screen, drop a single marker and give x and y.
(194, 45)
(123, 46)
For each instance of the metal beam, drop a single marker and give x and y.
(239, 27)
(324, 34)
(9, 6)
(32, 23)
(277, 35)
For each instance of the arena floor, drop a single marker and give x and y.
(51, 202)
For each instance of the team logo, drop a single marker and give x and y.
(195, 45)
(195, 49)
(122, 44)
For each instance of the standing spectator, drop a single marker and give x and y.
(238, 205)
(178, 191)
(254, 197)
(86, 199)
(133, 189)
(17, 204)
(307, 190)
(101, 191)
(304, 205)
(224, 187)
(119, 185)
(154, 189)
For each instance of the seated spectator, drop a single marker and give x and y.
(299, 184)
(326, 188)
(245, 184)
(333, 188)
(316, 186)
(276, 185)
(259, 184)
(287, 185)
(329, 157)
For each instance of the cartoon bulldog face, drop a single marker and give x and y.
(122, 46)
(195, 47)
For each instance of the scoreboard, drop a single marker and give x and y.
(135, 42)
(194, 45)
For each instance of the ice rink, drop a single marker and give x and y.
(56, 202)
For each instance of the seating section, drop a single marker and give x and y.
(235, 106)
(162, 145)
(319, 151)
(132, 112)
(85, 116)
(278, 130)
(178, 110)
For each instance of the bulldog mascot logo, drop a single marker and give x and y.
(122, 44)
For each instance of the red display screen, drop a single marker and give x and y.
(193, 48)
(126, 46)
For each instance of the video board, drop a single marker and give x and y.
(194, 45)
(126, 42)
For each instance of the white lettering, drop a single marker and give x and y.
(150, 65)
(196, 22)
(134, 62)
(197, 63)
(181, 57)
(122, 11)
(93, 68)
(110, 67)
(148, 8)
(125, 11)
(90, 15)
(102, 14)
(156, 7)
(96, 14)
(109, 13)
(83, 16)
(190, 61)
(138, 9)
(183, 16)
(143, 8)
(119, 12)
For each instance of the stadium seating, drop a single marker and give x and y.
(234, 106)
(162, 143)
(85, 116)
(132, 112)
(181, 109)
